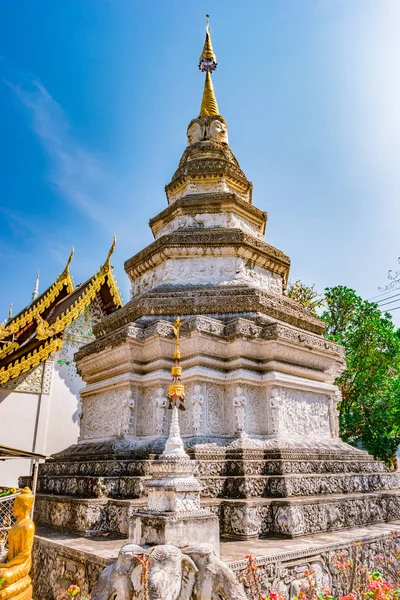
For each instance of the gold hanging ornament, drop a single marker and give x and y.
(176, 391)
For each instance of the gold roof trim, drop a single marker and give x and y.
(44, 330)
(44, 302)
(8, 348)
(209, 105)
(31, 360)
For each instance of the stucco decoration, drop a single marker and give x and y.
(197, 406)
(301, 415)
(205, 270)
(209, 128)
(240, 404)
(209, 221)
(160, 404)
(101, 414)
(128, 407)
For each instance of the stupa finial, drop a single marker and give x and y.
(176, 391)
(10, 312)
(36, 288)
(207, 64)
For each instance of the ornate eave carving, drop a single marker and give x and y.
(202, 204)
(218, 241)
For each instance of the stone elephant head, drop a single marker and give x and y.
(214, 580)
(171, 575)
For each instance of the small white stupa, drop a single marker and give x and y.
(173, 514)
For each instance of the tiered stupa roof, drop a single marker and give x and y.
(209, 255)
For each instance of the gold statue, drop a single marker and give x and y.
(14, 573)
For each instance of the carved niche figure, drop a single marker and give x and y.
(197, 400)
(127, 412)
(160, 404)
(334, 416)
(195, 131)
(207, 128)
(273, 412)
(240, 403)
(14, 572)
(218, 130)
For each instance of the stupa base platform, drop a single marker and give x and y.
(61, 559)
(241, 519)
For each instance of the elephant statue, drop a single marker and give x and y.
(214, 580)
(193, 573)
(170, 575)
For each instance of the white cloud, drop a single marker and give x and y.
(77, 173)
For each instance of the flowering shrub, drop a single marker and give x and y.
(354, 581)
(72, 592)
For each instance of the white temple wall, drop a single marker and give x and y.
(40, 415)
(64, 409)
(18, 414)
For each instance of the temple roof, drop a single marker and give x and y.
(37, 331)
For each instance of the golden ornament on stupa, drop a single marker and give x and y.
(176, 391)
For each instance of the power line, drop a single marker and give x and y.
(384, 301)
(379, 295)
(391, 309)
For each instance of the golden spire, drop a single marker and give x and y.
(208, 58)
(209, 106)
(207, 64)
(176, 391)
(10, 312)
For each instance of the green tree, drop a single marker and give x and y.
(370, 385)
(308, 297)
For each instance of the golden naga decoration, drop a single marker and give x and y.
(33, 359)
(4, 332)
(43, 329)
(14, 572)
(8, 348)
(176, 391)
(44, 302)
(207, 64)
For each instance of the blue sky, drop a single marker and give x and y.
(96, 95)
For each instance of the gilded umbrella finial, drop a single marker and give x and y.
(207, 64)
(176, 391)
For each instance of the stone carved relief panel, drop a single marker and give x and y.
(292, 413)
(151, 411)
(204, 188)
(102, 414)
(209, 220)
(215, 418)
(205, 270)
(129, 412)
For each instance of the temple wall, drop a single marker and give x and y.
(64, 409)
(18, 413)
(39, 415)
